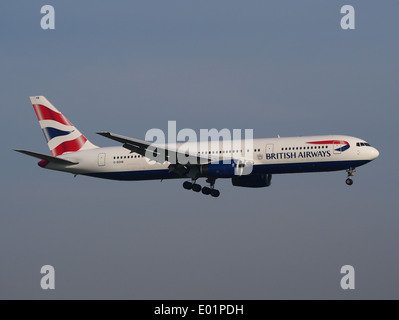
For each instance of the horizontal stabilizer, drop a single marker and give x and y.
(46, 157)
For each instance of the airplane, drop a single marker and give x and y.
(141, 160)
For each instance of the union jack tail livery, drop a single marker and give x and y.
(61, 135)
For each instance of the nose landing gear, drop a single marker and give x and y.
(350, 172)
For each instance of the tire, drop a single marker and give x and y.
(206, 190)
(196, 187)
(349, 182)
(215, 193)
(187, 185)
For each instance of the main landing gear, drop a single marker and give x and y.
(350, 172)
(192, 186)
(205, 190)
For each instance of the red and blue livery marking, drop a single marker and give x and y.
(344, 144)
(67, 144)
(44, 113)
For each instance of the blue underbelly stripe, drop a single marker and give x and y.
(263, 168)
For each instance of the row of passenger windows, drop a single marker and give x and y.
(358, 144)
(200, 152)
(303, 148)
(225, 151)
(128, 157)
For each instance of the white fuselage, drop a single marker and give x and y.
(274, 156)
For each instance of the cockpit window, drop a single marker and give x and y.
(362, 144)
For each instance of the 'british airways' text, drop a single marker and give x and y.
(298, 155)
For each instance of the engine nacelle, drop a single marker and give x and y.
(252, 181)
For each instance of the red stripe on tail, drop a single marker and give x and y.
(44, 113)
(69, 146)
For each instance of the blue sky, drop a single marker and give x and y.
(278, 67)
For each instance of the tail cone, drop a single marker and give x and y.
(43, 163)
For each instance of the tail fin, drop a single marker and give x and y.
(61, 135)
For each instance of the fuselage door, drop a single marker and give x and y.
(101, 159)
(269, 150)
(337, 146)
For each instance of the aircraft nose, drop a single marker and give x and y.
(374, 153)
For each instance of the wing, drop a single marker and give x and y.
(46, 157)
(157, 153)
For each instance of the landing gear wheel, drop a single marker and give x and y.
(215, 193)
(187, 185)
(196, 187)
(350, 173)
(206, 190)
